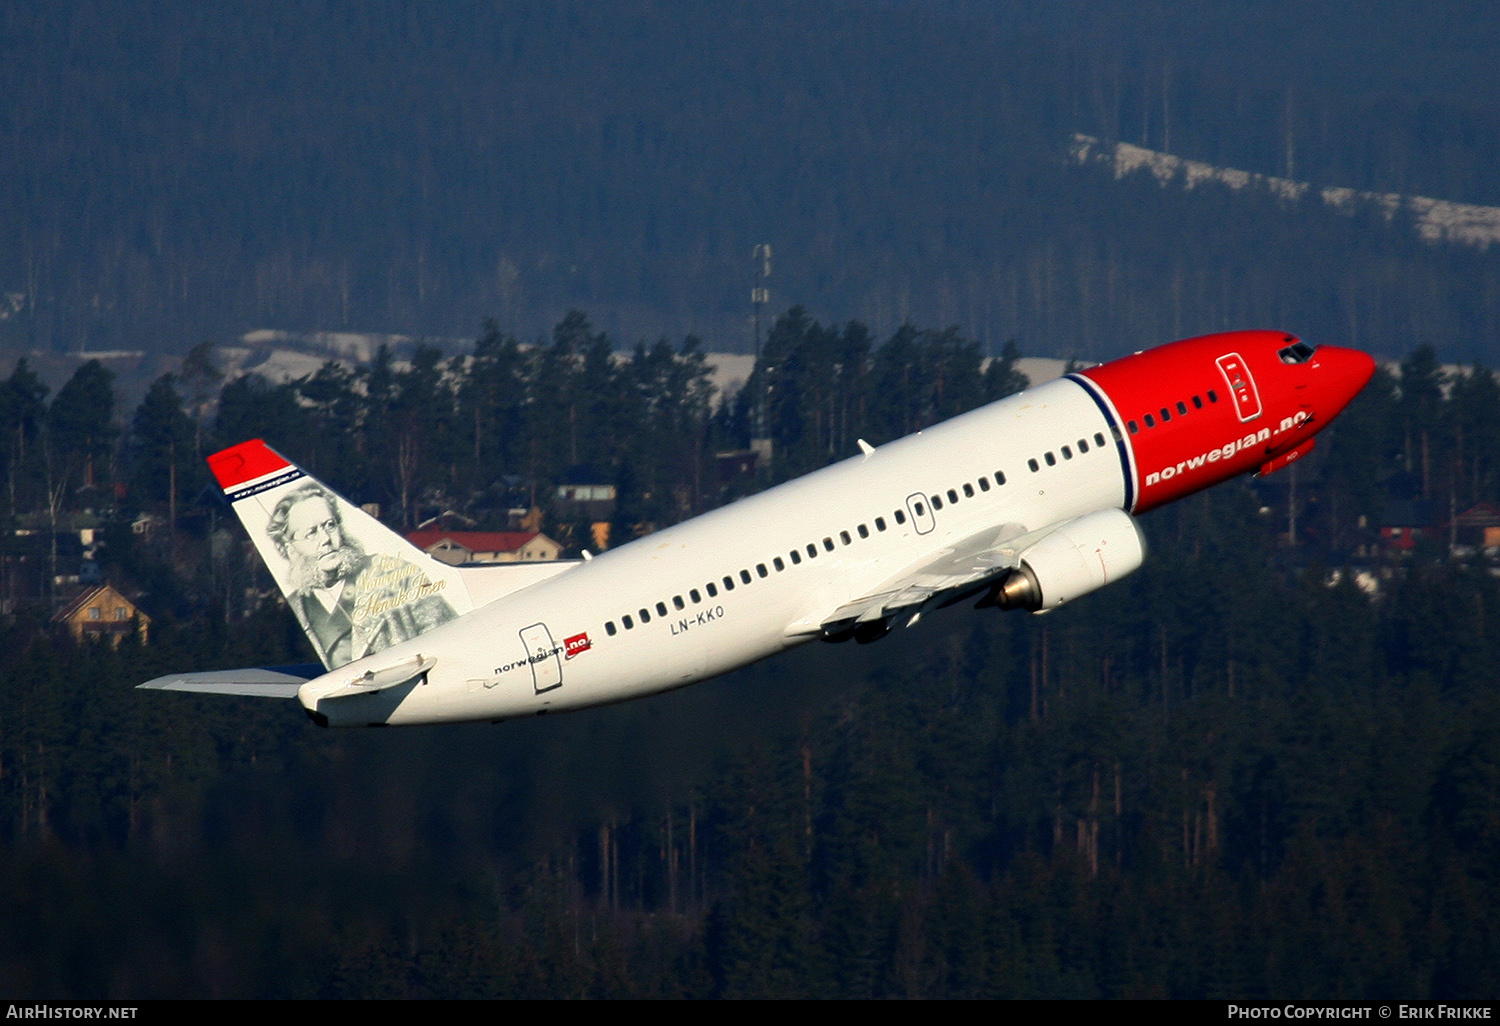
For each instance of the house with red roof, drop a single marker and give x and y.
(459, 547)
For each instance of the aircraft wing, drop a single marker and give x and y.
(255, 682)
(956, 572)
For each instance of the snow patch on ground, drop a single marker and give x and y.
(1437, 221)
(284, 356)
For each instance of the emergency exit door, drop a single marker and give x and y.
(922, 519)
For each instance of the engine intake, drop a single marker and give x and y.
(1081, 556)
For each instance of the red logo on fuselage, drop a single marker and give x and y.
(576, 645)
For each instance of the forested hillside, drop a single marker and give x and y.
(1293, 796)
(1234, 773)
(173, 173)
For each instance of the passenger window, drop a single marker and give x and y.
(1051, 459)
(1083, 446)
(661, 609)
(999, 477)
(937, 503)
(712, 589)
(901, 517)
(984, 484)
(695, 596)
(645, 616)
(920, 510)
(778, 564)
(1067, 453)
(1213, 396)
(864, 532)
(880, 523)
(1182, 408)
(728, 583)
(1150, 421)
(627, 621)
(1197, 402)
(1166, 414)
(609, 628)
(1034, 465)
(1132, 427)
(796, 556)
(677, 601)
(1099, 437)
(952, 496)
(828, 544)
(812, 552)
(844, 537)
(745, 576)
(968, 490)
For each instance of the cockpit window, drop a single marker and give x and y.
(1297, 352)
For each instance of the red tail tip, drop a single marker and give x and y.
(245, 462)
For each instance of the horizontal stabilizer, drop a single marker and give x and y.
(374, 680)
(256, 682)
(487, 582)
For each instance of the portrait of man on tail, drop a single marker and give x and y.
(350, 602)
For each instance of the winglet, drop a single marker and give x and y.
(866, 448)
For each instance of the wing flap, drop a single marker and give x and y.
(960, 567)
(254, 682)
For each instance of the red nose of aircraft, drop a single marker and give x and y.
(1346, 371)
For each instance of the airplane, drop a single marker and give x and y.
(1027, 503)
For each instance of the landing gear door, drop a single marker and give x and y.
(921, 513)
(1242, 388)
(544, 656)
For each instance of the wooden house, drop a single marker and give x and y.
(102, 611)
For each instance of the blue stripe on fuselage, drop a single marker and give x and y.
(1114, 429)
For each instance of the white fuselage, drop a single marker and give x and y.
(1021, 500)
(526, 653)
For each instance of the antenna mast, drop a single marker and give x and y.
(760, 294)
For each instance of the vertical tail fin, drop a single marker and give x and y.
(354, 584)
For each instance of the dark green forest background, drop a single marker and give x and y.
(171, 172)
(1234, 773)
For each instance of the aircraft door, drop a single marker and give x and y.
(920, 512)
(1241, 386)
(544, 656)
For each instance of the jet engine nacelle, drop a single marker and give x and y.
(1079, 557)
